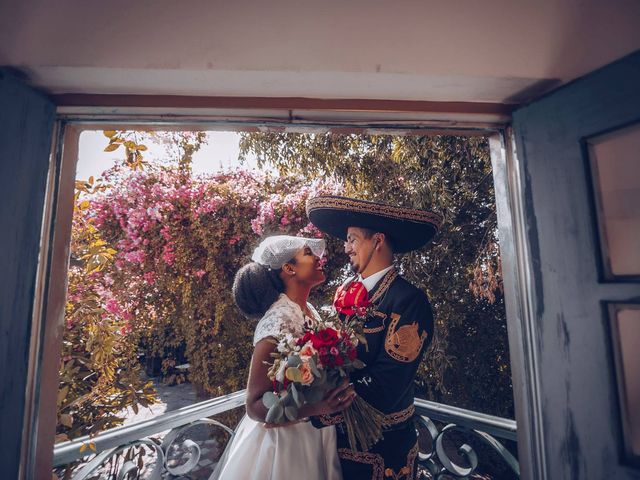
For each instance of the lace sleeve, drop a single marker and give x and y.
(268, 326)
(282, 317)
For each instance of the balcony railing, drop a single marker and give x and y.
(438, 462)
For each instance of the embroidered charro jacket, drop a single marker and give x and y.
(398, 328)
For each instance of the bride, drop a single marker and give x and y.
(275, 287)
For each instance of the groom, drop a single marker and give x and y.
(398, 325)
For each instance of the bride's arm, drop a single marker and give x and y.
(259, 382)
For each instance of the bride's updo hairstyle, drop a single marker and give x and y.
(255, 288)
(258, 284)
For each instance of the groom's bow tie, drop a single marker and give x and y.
(351, 298)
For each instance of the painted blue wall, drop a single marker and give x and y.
(26, 124)
(580, 424)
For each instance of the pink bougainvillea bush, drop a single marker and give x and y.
(177, 243)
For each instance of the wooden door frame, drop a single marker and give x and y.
(77, 113)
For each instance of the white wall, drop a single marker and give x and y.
(470, 50)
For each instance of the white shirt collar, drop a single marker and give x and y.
(372, 280)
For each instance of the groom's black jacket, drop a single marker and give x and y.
(398, 332)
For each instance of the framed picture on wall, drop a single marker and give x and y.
(613, 160)
(624, 331)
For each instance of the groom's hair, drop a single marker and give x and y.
(369, 232)
(255, 288)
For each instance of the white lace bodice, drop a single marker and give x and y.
(284, 316)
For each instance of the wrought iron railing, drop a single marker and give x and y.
(438, 461)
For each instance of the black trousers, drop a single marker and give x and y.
(393, 457)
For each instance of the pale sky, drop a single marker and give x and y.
(220, 153)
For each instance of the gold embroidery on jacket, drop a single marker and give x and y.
(405, 343)
(331, 419)
(406, 472)
(396, 418)
(374, 459)
(382, 316)
(373, 329)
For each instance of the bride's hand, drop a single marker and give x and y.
(336, 400)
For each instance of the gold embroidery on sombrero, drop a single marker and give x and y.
(405, 343)
(374, 459)
(374, 208)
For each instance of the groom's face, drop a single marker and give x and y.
(359, 246)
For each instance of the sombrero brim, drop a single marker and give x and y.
(408, 228)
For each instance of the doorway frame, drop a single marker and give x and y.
(81, 114)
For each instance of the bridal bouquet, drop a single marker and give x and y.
(304, 369)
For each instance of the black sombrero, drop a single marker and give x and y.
(408, 228)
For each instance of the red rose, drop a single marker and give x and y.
(352, 354)
(324, 338)
(326, 360)
(307, 336)
(339, 361)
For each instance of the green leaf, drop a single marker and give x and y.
(295, 394)
(293, 374)
(294, 361)
(314, 367)
(357, 363)
(111, 147)
(66, 420)
(291, 413)
(275, 414)
(62, 394)
(269, 399)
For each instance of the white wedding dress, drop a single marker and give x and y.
(296, 451)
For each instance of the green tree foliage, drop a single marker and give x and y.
(468, 363)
